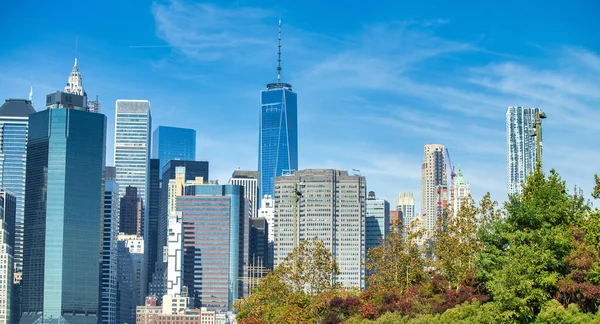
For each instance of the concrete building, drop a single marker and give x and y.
(248, 180)
(131, 216)
(216, 242)
(434, 186)
(175, 255)
(94, 105)
(14, 121)
(63, 206)
(327, 204)
(521, 152)
(193, 171)
(462, 191)
(131, 268)
(377, 221)
(267, 211)
(110, 231)
(405, 205)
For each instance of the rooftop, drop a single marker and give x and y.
(16, 108)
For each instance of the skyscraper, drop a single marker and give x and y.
(75, 84)
(278, 130)
(330, 205)
(405, 204)
(521, 154)
(216, 240)
(462, 190)
(131, 215)
(110, 230)
(153, 215)
(132, 145)
(63, 204)
(130, 283)
(7, 240)
(192, 170)
(267, 211)
(14, 120)
(173, 143)
(248, 180)
(377, 221)
(434, 186)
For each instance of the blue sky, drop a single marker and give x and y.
(375, 80)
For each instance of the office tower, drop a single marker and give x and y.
(175, 255)
(216, 241)
(173, 143)
(131, 267)
(110, 230)
(521, 153)
(153, 215)
(63, 206)
(462, 190)
(434, 186)
(248, 180)
(8, 208)
(192, 171)
(278, 130)
(377, 221)
(327, 204)
(259, 241)
(94, 105)
(132, 145)
(131, 216)
(267, 211)
(75, 84)
(14, 120)
(405, 204)
(395, 217)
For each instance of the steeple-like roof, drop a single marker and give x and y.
(459, 180)
(75, 84)
(16, 108)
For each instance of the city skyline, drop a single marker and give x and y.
(423, 94)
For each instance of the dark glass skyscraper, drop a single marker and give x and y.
(278, 131)
(173, 143)
(65, 165)
(153, 215)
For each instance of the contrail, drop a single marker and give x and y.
(161, 46)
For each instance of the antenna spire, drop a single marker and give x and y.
(279, 53)
(76, 48)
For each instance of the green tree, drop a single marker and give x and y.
(310, 267)
(596, 192)
(456, 245)
(398, 262)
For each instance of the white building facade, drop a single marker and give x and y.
(327, 204)
(521, 153)
(434, 186)
(462, 190)
(248, 180)
(405, 204)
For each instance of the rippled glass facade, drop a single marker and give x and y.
(216, 244)
(521, 153)
(63, 206)
(173, 143)
(278, 134)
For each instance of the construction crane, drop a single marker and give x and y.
(452, 176)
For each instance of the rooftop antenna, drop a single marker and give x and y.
(76, 47)
(279, 53)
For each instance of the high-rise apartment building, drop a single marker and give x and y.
(267, 211)
(462, 190)
(192, 171)
(377, 221)
(173, 143)
(216, 243)
(434, 186)
(521, 153)
(133, 123)
(278, 130)
(405, 204)
(110, 230)
(14, 120)
(7, 241)
(63, 207)
(248, 180)
(327, 204)
(131, 216)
